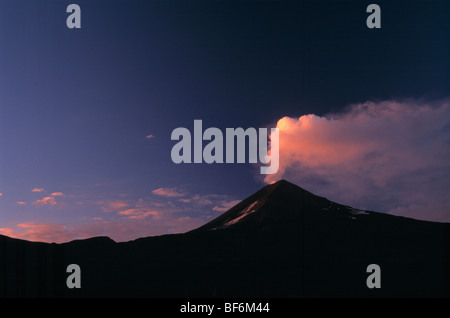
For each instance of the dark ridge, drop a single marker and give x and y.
(281, 241)
(92, 240)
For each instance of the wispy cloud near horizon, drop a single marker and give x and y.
(122, 219)
(118, 230)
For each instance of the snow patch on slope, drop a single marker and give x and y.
(244, 213)
(248, 210)
(359, 212)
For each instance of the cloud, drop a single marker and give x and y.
(139, 214)
(48, 200)
(120, 231)
(208, 200)
(21, 203)
(7, 231)
(127, 219)
(114, 205)
(202, 200)
(42, 232)
(168, 192)
(149, 136)
(45, 201)
(390, 156)
(225, 206)
(1, 194)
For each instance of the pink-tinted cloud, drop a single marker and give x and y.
(42, 232)
(45, 201)
(168, 192)
(215, 202)
(120, 231)
(1, 194)
(37, 190)
(139, 214)
(386, 156)
(113, 205)
(149, 136)
(7, 231)
(21, 203)
(225, 205)
(56, 194)
(128, 219)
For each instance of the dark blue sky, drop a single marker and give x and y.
(77, 104)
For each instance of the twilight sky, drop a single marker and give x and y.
(86, 114)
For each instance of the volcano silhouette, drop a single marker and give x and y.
(282, 241)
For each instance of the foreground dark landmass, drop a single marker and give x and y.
(280, 242)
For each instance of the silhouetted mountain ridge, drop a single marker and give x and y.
(282, 241)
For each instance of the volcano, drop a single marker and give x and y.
(282, 241)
